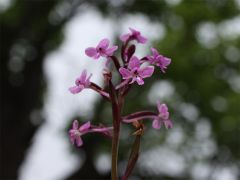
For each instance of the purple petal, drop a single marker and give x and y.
(133, 80)
(163, 111)
(79, 141)
(110, 51)
(76, 89)
(156, 124)
(165, 115)
(146, 71)
(126, 74)
(87, 82)
(134, 32)
(91, 52)
(139, 81)
(72, 138)
(78, 81)
(168, 124)
(165, 61)
(85, 126)
(162, 108)
(134, 63)
(141, 39)
(96, 56)
(104, 43)
(83, 76)
(151, 59)
(154, 52)
(75, 124)
(124, 37)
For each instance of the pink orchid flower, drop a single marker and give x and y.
(81, 83)
(75, 133)
(159, 60)
(102, 49)
(134, 35)
(134, 72)
(163, 117)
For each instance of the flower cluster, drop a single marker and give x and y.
(132, 70)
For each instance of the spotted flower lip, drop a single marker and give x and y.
(81, 82)
(162, 118)
(134, 72)
(76, 132)
(102, 49)
(133, 35)
(158, 60)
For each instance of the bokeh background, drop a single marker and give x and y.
(42, 52)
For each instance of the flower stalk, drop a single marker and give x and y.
(116, 129)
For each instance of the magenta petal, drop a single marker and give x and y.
(141, 39)
(126, 74)
(165, 115)
(87, 82)
(111, 50)
(83, 76)
(163, 108)
(90, 52)
(165, 61)
(96, 56)
(104, 43)
(78, 81)
(79, 141)
(124, 37)
(134, 63)
(154, 52)
(146, 71)
(75, 124)
(85, 126)
(72, 138)
(134, 31)
(156, 124)
(133, 80)
(75, 89)
(168, 124)
(139, 81)
(159, 106)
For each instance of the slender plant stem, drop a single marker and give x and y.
(115, 145)
(116, 109)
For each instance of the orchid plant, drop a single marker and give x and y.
(132, 70)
